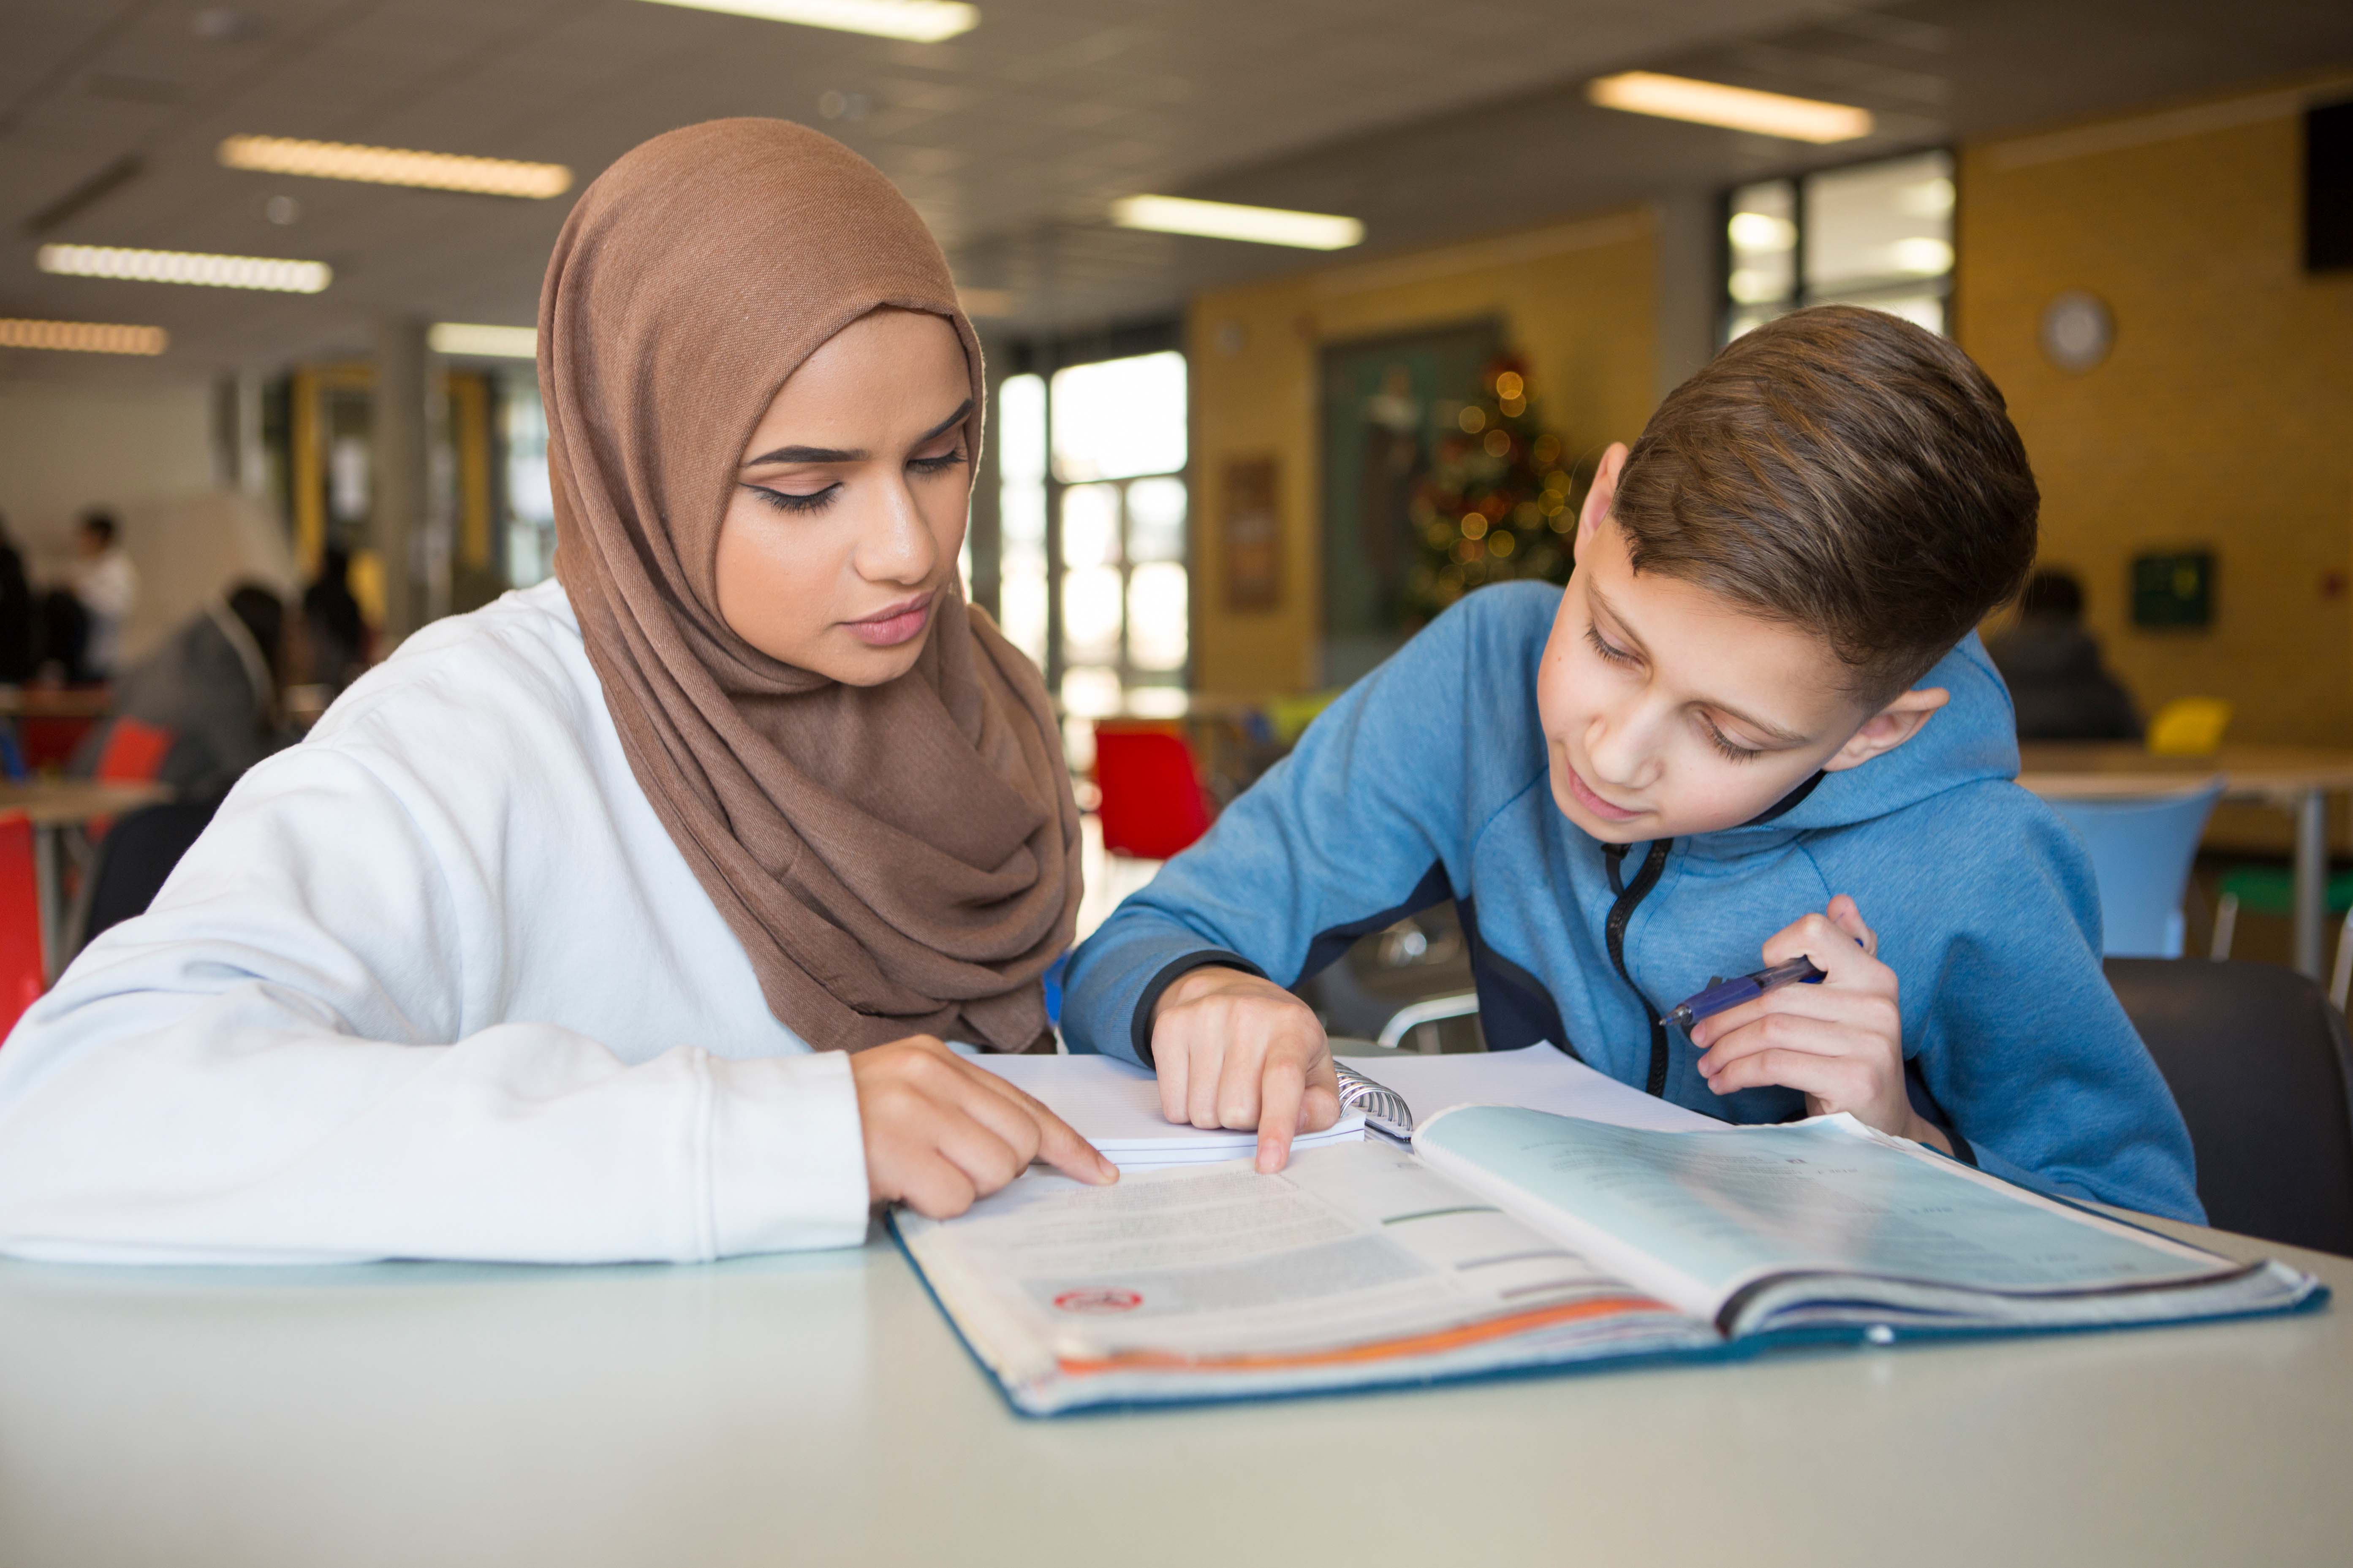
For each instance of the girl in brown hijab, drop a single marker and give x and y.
(624, 917)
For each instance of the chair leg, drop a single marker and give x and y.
(2226, 924)
(2342, 979)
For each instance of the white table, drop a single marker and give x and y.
(817, 1410)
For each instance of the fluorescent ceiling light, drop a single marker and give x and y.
(185, 266)
(1225, 220)
(395, 166)
(482, 343)
(83, 337)
(1734, 107)
(920, 21)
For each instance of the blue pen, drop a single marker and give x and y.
(1721, 995)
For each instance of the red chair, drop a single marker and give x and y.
(21, 958)
(1152, 805)
(49, 740)
(134, 752)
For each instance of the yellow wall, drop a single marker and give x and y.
(2224, 415)
(1575, 298)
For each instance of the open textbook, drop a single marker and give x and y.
(1512, 1239)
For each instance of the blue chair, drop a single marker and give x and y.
(2141, 849)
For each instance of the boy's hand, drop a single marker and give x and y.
(1234, 1050)
(940, 1133)
(1840, 1043)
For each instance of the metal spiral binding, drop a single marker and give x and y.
(1385, 1109)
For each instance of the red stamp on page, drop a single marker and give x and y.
(1098, 1301)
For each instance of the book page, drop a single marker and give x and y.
(1694, 1216)
(1355, 1257)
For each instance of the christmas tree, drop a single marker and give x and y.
(1499, 500)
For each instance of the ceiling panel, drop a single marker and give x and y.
(1430, 120)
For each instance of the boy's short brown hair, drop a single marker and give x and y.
(1846, 471)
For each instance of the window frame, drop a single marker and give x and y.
(1801, 295)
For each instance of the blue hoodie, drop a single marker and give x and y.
(1428, 781)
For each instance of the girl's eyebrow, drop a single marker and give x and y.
(852, 454)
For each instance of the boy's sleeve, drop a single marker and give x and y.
(2026, 1049)
(1355, 829)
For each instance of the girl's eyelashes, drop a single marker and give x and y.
(817, 500)
(785, 501)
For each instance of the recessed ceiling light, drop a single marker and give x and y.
(83, 337)
(184, 267)
(1227, 220)
(921, 21)
(468, 338)
(1734, 107)
(395, 166)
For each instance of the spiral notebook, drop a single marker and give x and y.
(1115, 1106)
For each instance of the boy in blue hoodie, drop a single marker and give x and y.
(1757, 724)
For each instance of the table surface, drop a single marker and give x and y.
(816, 1409)
(2095, 767)
(55, 701)
(57, 803)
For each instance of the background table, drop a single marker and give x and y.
(817, 1410)
(2296, 779)
(58, 806)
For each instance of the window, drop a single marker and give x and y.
(1021, 512)
(1874, 233)
(531, 505)
(1115, 433)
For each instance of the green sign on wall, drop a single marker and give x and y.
(2173, 590)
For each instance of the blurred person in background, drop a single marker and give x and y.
(338, 633)
(106, 586)
(2057, 683)
(213, 686)
(19, 633)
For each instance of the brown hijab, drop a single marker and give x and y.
(896, 859)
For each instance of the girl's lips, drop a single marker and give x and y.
(1594, 802)
(900, 622)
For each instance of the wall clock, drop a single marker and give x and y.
(2077, 330)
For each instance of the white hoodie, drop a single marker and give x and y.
(435, 983)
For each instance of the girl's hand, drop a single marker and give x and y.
(1234, 1050)
(1840, 1043)
(940, 1133)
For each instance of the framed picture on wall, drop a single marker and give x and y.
(1252, 521)
(1385, 403)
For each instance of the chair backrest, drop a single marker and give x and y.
(2190, 726)
(2258, 1061)
(1152, 801)
(22, 971)
(134, 752)
(2141, 851)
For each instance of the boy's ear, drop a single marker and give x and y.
(1598, 499)
(1889, 728)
